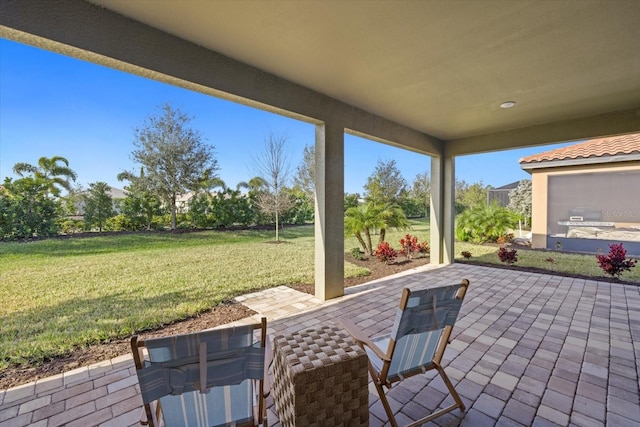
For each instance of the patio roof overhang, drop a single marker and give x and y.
(424, 76)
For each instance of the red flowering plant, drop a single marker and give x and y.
(423, 248)
(615, 262)
(385, 253)
(508, 255)
(409, 245)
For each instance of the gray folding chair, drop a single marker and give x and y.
(423, 325)
(210, 378)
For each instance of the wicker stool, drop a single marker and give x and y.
(320, 379)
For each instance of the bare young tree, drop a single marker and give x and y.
(273, 166)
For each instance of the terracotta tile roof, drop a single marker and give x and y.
(602, 147)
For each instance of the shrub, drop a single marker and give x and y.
(615, 262)
(385, 253)
(484, 223)
(70, 226)
(409, 245)
(505, 238)
(357, 253)
(423, 248)
(508, 255)
(121, 223)
(466, 254)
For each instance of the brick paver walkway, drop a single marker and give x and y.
(528, 349)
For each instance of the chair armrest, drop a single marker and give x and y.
(361, 338)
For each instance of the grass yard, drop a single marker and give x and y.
(578, 264)
(58, 294)
(61, 293)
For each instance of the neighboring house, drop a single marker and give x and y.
(587, 196)
(501, 194)
(183, 200)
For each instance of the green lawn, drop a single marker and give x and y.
(62, 293)
(562, 262)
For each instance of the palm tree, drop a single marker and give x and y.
(391, 215)
(54, 170)
(255, 184)
(212, 183)
(362, 219)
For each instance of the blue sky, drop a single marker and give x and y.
(52, 105)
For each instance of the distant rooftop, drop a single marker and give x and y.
(511, 186)
(602, 150)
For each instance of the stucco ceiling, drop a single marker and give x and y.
(440, 67)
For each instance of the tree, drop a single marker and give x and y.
(301, 210)
(366, 218)
(306, 172)
(54, 171)
(470, 196)
(361, 220)
(256, 186)
(272, 165)
(73, 200)
(27, 210)
(520, 200)
(392, 216)
(173, 155)
(98, 205)
(351, 200)
(385, 184)
(140, 205)
(421, 191)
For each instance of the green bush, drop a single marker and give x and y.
(357, 253)
(70, 226)
(122, 222)
(484, 223)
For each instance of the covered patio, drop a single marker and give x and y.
(434, 77)
(528, 349)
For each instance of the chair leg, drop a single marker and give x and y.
(452, 390)
(443, 411)
(385, 404)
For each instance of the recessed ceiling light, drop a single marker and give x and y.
(507, 104)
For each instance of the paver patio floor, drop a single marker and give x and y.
(528, 349)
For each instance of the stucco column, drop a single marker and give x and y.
(329, 217)
(442, 209)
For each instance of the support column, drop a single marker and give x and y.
(442, 215)
(329, 216)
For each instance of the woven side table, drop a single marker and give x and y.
(320, 379)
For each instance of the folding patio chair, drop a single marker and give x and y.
(209, 378)
(421, 331)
